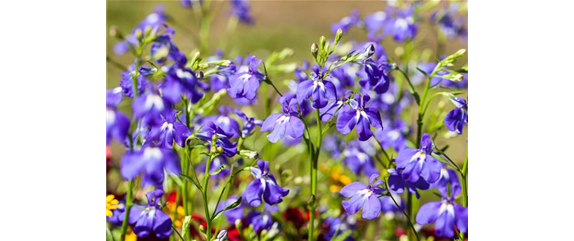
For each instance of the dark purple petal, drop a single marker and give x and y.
(162, 224)
(253, 192)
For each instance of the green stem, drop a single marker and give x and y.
(129, 200)
(204, 194)
(314, 165)
(465, 181)
(406, 215)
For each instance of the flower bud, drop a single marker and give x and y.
(138, 33)
(199, 74)
(222, 235)
(314, 49)
(249, 154)
(338, 35)
(322, 42)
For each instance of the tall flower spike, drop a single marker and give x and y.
(357, 114)
(419, 163)
(263, 184)
(456, 118)
(364, 196)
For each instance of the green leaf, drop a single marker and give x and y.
(233, 205)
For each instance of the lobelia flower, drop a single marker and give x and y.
(403, 27)
(180, 80)
(155, 20)
(375, 21)
(318, 88)
(286, 123)
(347, 22)
(150, 217)
(447, 177)
(449, 25)
(245, 83)
(263, 184)
(163, 48)
(334, 225)
(126, 81)
(359, 115)
(364, 196)
(150, 107)
(151, 161)
(417, 163)
(171, 130)
(223, 120)
(358, 157)
(394, 135)
(220, 80)
(240, 9)
(117, 124)
(456, 118)
(211, 132)
(446, 214)
(261, 220)
(248, 124)
(118, 215)
(398, 184)
(377, 76)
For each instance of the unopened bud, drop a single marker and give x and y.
(249, 154)
(199, 74)
(222, 235)
(138, 33)
(338, 35)
(314, 49)
(322, 42)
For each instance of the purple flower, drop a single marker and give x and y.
(375, 21)
(127, 83)
(319, 89)
(263, 184)
(245, 83)
(150, 217)
(347, 22)
(171, 130)
(448, 177)
(180, 80)
(334, 225)
(446, 214)
(233, 214)
(164, 48)
(284, 123)
(223, 120)
(364, 196)
(151, 161)
(456, 118)
(117, 124)
(389, 206)
(261, 220)
(449, 24)
(397, 183)
(150, 107)
(240, 9)
(211, 131)
(220, 80)
(377, 76)
(419, 163)
(155, 20)
(403, 27)
(394, 135)
(248, 124)
(358, 114)
(358, 156)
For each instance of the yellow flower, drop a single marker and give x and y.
(111, 204)
(130, 235)
(337, 179)
(170, 208)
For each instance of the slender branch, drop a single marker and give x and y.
(406, 215)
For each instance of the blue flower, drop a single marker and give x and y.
(233, 214)
(364, 196)
(334, 225)
(403, 27)
(240, 9)
(171, 130)
(245, 83)
(394, 135)
(180, 80)
(150, 107)
(286, 123)
(377, 75)
(347, 22)
(223, 120)
(151, 161)
(154, 20)
(263, 184)
(261, 220)
(456, 118)
(358, 156)
(359, 115)
(319, 89)
(127, 83)
(117, 124)
(397, 183)
(248, 124)
(216, 163)
(446, 214)
(389, 206)
(150, 217)
(419, 163)
(211, 131)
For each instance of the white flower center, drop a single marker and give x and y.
(152, 153)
